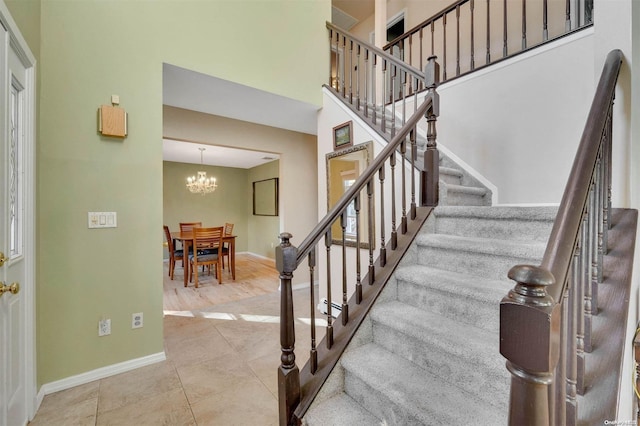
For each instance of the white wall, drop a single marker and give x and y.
(519, 123)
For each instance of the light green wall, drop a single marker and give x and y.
(26, 14)
(231, 202)
(227, 204)
(264, 230)
(90, 50)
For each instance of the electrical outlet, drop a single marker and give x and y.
(136, 320)
(104, 327)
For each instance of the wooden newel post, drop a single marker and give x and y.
(431, 173)
(288, 374)
(530, 341)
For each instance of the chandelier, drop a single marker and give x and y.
(201, 184)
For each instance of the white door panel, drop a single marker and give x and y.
(17, 363)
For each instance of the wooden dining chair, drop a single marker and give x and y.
(208, 242)
(188, 226)
(228, 231)
(173, 253)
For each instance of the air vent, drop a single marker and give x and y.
(342, 19)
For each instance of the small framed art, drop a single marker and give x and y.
(342, 136)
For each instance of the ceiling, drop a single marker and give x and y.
(359, 10)
(183, 88)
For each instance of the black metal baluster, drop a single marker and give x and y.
(472, 65)
(586, 265)
(350, 71)
(572, 340)
(358, 70)
(421, 46)
(545, 21)
(383, 248)
(356, 206)
(394, 232)
(370, 230)
(457, 40)
(524, 24)
(580, 358)
(385, 91)
(336, 63)
(593, 241)
(432, 38)
(366, 82)
(394, 76)
(567, 20)
(403, 152)
(504, 30)
(373, 88)
(343, 90)
(313, 354)
(345, 307)
(488, 33)
(414, 157)
(329, 334)
(444, 47)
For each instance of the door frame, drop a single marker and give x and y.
(20, 47)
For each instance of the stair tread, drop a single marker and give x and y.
(450, 171)
(404, 384)
(493, 246)
(524, 213)
(459, 284)
(340, 410)
(481, 347)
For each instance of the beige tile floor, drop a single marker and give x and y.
(220, 370)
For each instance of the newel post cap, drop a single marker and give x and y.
(530, 321)
(286, 254)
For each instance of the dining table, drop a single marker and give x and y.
(187, 240)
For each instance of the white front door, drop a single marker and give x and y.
(17, 361)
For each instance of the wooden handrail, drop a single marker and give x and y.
(559, 251)
(545, 320)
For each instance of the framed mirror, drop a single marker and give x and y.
(265, 197)
(343, 168)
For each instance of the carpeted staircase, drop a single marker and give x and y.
(428, 352)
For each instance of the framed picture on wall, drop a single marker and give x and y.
(342, 136)
(265, 197)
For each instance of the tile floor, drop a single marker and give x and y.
(220, 370)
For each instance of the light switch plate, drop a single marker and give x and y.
(102, 220)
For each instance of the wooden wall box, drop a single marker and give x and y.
(112, 121)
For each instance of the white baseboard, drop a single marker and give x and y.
(99, 373)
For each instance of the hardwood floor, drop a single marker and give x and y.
(255, 276)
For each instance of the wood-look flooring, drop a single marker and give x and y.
(255, 276)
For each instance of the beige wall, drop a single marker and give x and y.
(90, 50)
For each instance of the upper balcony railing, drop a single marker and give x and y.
(471, 34)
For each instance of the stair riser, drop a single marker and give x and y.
(376, 402)
(451, 305)
(447, 178)
(451, 198)
(480, 264)
(494, 228)
(444, 362)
